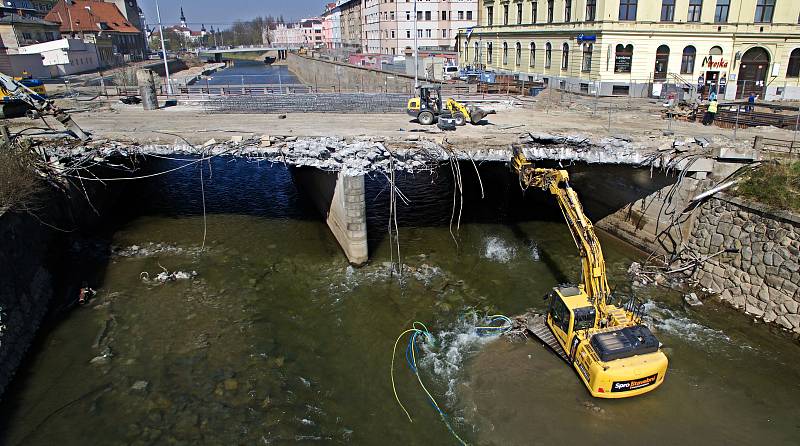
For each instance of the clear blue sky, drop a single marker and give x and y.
(220, 12)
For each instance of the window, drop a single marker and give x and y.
(586, 66)
(427, 15)
(715, 51)
(721, 13)
(505, 53)
(591, 10)
(687, 61)
(419, 15)
(668, 10)
(408, 34)
(565, 56)
(489, 53)
(532, 56)
(519, 13)
(460, 15)
(466, 50)
(490, 15)
(794, 64)
(623, 58)
(549, 11)
(475, 56)
(518, 54)
(391, 15)
(764, 11)
(567, 10)
(505, 14)
(27, 36)
(695, 10)
(560, 315)
(662, 63)
(444, 33)
(408, 15)
(535, 6)
(428, 33)
(627, 9)
(469, 15)
(548, 55)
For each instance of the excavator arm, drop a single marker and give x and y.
(556, 181)
(18, 91)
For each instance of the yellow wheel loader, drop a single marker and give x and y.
(613, 353)
(428, 106)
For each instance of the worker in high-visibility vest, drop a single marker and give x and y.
(711, 113)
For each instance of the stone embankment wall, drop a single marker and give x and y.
(309, 102)
(764, 278)
(327, 74)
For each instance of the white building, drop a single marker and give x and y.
(389, 26)
(283, 34)
(66, 56)
(313, 32)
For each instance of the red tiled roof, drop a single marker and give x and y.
(87, 15)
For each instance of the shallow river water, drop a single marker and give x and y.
(276, 340)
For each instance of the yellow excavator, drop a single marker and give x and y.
(613, 353)
(429, 106)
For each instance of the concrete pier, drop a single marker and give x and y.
(340, 200)
(147, 89)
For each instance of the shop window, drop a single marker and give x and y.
(623, 58)
(548, 55)
(793, 69)
(687, 61)
(586, 66)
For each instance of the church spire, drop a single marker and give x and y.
(183, 18)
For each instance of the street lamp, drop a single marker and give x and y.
(164, 50)
(416, 50)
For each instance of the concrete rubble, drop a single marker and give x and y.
(362, 155)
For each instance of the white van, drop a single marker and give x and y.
(450, 72)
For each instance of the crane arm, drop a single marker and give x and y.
(556, 181)
(18, 91)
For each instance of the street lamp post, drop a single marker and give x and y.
(164, 50)
(416, 50)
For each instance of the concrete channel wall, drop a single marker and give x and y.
(763, 279)
(344, 77)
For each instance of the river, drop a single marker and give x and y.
(277, 340)
(245, 72)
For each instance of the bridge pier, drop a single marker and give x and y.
(340, 200)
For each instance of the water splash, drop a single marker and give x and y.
(675, 324)
(498, 250)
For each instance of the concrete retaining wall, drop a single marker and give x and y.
(326, 74)
(309, 102)
(764, 279)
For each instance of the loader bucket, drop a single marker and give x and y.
(477, 114)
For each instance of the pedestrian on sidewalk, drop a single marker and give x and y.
(711, 112)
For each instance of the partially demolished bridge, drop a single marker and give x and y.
(338, 166)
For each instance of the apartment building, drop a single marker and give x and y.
(636, 47)
(388, 25)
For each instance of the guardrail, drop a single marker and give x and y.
(776, 147)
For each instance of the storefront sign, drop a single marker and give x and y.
(711, 62)
(622, 63)
(586, 38)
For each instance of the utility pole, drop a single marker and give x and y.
(164, 51)
(416, 50)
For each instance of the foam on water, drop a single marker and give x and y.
(498, 250)
(673, 323)
(446, 356)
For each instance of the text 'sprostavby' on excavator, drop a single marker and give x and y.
(612, 352)
(429, 107)
(31, 97)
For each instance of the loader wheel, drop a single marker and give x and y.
(460, 119)
(425, 118)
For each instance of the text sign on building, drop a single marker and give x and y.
(586, 38)
(711, 62)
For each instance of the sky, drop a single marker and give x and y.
(225, 12)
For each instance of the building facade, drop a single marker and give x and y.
(66, 56)
(637, 47)
(350, 23)
(313, 36)
(389, 24)
(18, 31)
(286, 34)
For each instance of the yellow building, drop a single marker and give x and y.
(642, 47)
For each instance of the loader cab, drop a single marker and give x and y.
(570, 311)
(427, 106)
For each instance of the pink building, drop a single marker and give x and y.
(327, 32)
